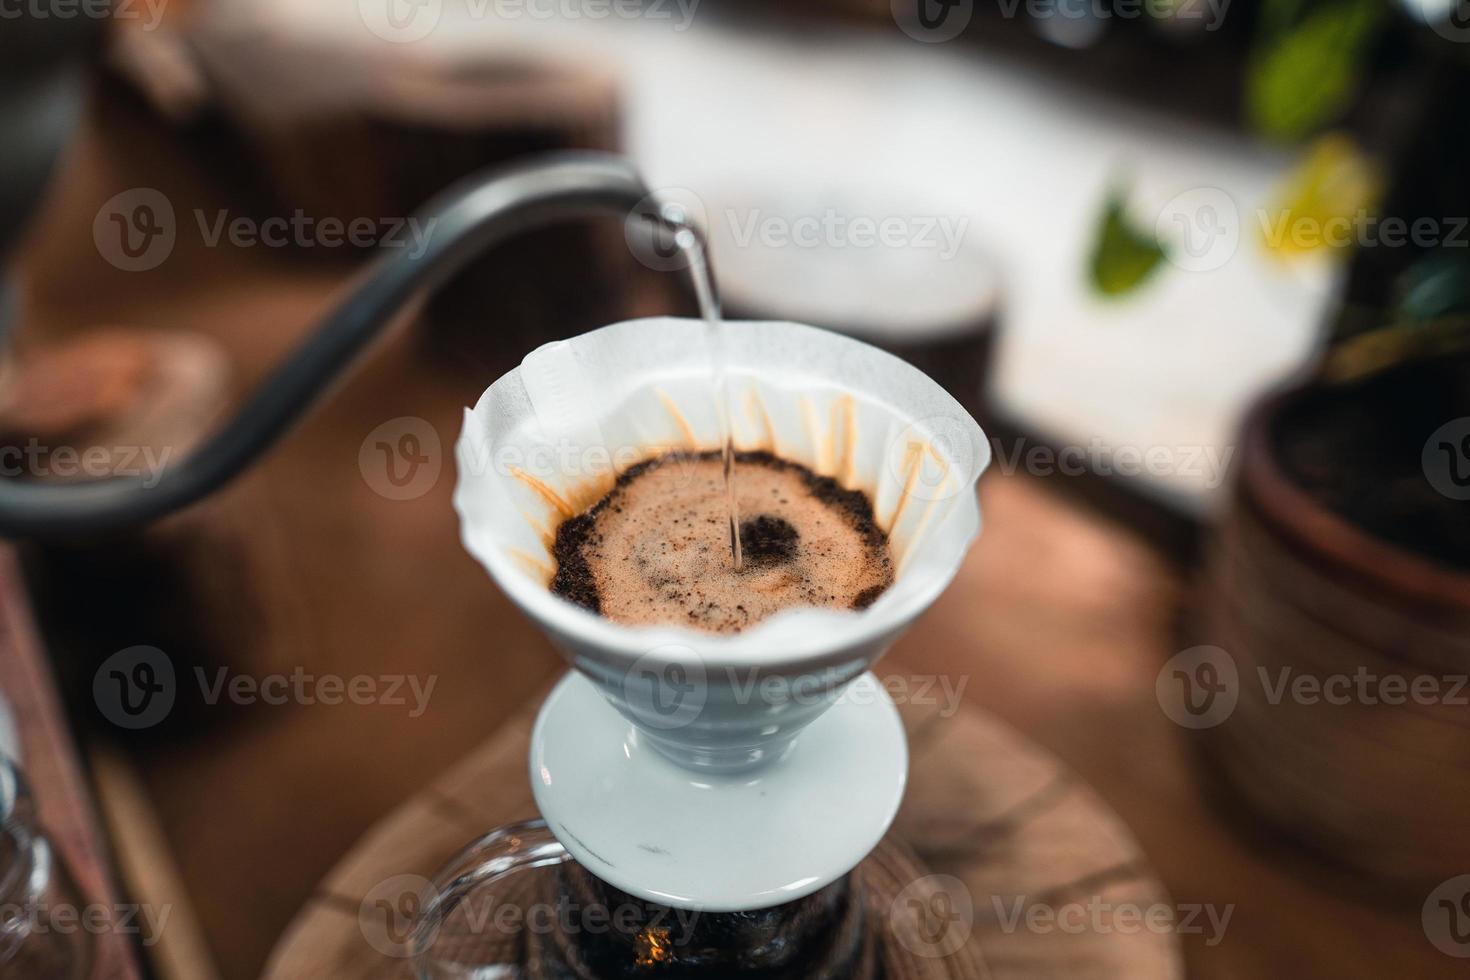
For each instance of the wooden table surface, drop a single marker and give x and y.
(1016, 843)
(1058, 624)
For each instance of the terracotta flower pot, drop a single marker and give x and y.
(1351, 732)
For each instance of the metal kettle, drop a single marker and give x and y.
(467, 219)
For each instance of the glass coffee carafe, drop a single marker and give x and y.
(515, 904)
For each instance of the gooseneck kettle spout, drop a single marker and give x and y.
(465, 220)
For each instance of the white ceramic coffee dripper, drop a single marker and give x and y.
(719, 772)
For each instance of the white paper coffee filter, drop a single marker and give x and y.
(548, 439)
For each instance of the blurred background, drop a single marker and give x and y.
(1201, 268)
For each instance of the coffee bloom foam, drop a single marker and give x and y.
(657, 548)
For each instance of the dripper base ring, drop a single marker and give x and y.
(719, 843)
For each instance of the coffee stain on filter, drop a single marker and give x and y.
(561, 506)
(913, 468)
(578, 498)
(821, 446)
(685, 429)
(760, 416)
(843, 441)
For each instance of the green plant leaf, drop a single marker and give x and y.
(1373, 351)
(1431, 318)
(1304, 77)
(1334, 181)
(1122, 257)
(1436, 286)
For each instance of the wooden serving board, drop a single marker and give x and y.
(1021, 835)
